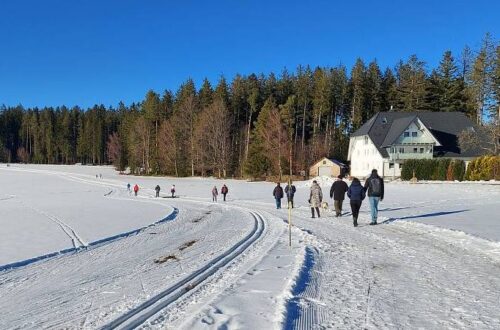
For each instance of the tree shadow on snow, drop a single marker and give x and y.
(427, 215)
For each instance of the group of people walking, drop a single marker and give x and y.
(224, 190)
(373, 187)
(157, 190)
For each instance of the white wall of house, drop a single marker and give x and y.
(364, 157)
(392, 169)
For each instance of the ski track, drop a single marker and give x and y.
(139, 315)
(213, 303)
(76, 240)
(92, 323)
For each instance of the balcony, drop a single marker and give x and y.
(410, 155)
(411, 151)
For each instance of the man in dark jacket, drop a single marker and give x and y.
(290, 192)
(278, 195)
(337, 192)
(224, 190)
(157, 189)
(374, 185)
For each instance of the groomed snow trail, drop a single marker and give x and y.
(398, 275)
(250, 293)
(149, 308)
(115, 278)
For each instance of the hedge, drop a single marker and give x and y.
(434, 169)
(484, 168)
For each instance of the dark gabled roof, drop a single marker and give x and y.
(397, 128)
(385, 127)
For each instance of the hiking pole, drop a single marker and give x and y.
(289, 216)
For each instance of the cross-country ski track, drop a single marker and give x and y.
(229, 266)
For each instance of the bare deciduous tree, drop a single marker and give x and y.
(486, 138)
(213, 139)
(168, 148)
(114, 149)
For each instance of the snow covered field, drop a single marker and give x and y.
(433, 262)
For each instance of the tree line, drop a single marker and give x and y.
(253, 125)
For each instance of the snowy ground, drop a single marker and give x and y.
(433, 263)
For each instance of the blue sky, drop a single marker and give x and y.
(56, 52)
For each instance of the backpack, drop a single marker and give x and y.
(376, 187)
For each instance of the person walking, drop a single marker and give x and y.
(215, 193)
(374, 186)
(157, 189)
(136, 189)
(224, 190)
(278, 195)
(315, 198)
(337, 192)
(356, 193)
(128, 187)
(290, 192)
(172, 190)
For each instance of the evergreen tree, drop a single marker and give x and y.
(373, 83)
(205, 95)
(451, 87)
(481, 79)
(411, 82)
(388, 91)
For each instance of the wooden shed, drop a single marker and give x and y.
(327, 167)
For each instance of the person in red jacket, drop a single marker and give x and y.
(136, 189)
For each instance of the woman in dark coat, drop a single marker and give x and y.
(356, 193)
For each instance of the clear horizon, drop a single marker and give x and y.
(59, 53)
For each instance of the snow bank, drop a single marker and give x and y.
(323, 181)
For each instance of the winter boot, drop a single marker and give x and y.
(355, 222)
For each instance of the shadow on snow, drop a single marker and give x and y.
(427, 215)
(293, 309)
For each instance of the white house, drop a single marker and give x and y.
(389, 138)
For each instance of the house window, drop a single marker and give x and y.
(421, 150)
(401, 150)
(366, 139)
(407, 134)
(391, 165)
(413, 134)
(415, 150)
(324, 162)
